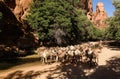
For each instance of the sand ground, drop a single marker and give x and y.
(107, 68)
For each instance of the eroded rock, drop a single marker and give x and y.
(100, 16)
(21, 9)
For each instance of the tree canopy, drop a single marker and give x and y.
(60, 22)
(114, 23)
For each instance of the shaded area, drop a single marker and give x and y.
(11, 62)
(69, 71)
(110, 71)
(10, 3)
(114, 45)
(63, 71)
(19, 75)
(15, 40)
(72, 71)
(11, 28)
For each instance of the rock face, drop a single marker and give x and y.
(87, 5)
(10, 3)
(13, 33)
(21, 8)
(10, 26)
(100, 16)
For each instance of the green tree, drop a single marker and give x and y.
(50, 19)
(114, 23)
(59, 21)
(76, 3)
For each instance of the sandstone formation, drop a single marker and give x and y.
(87, 5)
(13, 33)
(10, 26)
(10, 3)
(100, 16)
(21, 8)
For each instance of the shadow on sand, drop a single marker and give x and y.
(114, 45)
(8, 63)
(73, 71)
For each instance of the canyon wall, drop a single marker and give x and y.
(20, 8)
(10, 26)
(13, 33)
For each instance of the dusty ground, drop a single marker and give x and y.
(108, 68)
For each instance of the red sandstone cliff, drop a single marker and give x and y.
(100, 16)
(13, 33)
(20, 9)
(10, 26)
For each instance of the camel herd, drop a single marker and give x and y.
(86, 53)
